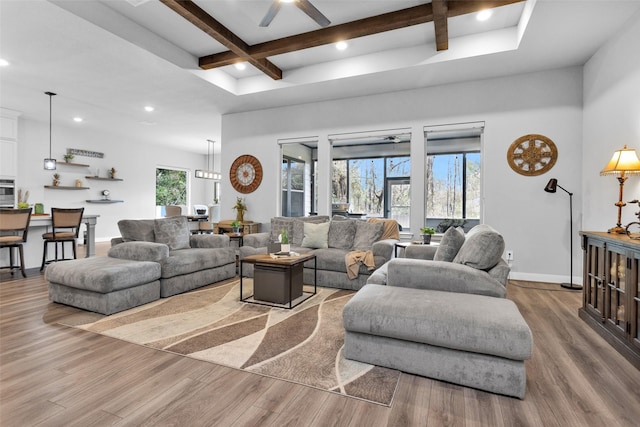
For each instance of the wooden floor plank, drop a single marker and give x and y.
(57, 375)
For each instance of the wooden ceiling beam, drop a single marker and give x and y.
(363, 27)
(207, 23)
(440, 24)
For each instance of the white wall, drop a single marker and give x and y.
(135, 163)
(611, 120)
(535, 224)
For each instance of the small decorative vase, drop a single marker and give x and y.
(236, 230)
(285, 247)
(426, 239)
(56, 182)
(240, 215)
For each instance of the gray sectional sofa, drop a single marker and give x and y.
(444, 315)
(153, 259)
(186, 261)
(343, 236)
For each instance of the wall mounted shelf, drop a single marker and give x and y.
(62, 187)
(73, 164)
(103, 179)
(104, 201)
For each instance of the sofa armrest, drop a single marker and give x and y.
(500, 272)
(256, 240)
(116, 241)
(384, 248)
(140, 251)
(420, 252)
(442, 276)
(209, 241)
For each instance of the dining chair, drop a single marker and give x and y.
(65, 225)
(14, 225)
(171, 210)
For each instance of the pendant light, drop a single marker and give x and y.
(209, 173)
(50, 163)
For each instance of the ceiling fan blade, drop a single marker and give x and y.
(315, 14)
(271, 13)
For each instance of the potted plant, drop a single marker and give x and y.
(427, 232)
(284, 240)
(68, 157)
(240, 208)
(236, 226)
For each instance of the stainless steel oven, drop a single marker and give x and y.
(7, 193)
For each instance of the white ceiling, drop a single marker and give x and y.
(108, 59)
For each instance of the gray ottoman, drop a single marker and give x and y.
(103, 284)
(471, 340)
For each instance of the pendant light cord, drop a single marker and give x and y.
(51, 94)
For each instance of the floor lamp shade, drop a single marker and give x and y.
(551, 187)
(624, 162)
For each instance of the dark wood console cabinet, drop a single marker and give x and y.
(611, 292)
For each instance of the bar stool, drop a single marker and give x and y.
(14, 225)
(65, 225)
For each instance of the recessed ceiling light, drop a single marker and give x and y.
(77, 119)
(341, 45)
(3, 62)
(240, 66)
(149, 108)
(483, 15)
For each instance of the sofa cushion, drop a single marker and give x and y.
(452, 241)
(173, 232)
(298, 227)
(185, 261)
(367, 233)
(316, 235)
(390, 230)
(342, 233)
(136, 230)
(482, 248)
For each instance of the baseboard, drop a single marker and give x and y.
(547, 278)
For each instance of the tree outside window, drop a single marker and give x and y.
(171, 187)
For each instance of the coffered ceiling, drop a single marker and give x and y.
(106, 59)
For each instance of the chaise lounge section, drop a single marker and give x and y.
(443, 314)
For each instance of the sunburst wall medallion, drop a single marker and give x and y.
(246, 174)
(532, 155)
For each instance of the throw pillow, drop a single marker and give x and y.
(315, 235)
(298, 227)
(452, 241)
(367, 233)
(391, 229)
(137, 230)
(173, 232)
(482, 248)
(342, 233)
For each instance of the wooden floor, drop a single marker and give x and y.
(59, 376)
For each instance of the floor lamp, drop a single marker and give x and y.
(551, 188)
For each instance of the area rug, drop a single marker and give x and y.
(302, 345)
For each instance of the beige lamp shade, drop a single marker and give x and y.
(623, 161)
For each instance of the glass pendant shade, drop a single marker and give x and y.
(49, 162)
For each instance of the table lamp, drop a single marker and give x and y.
(623, 162)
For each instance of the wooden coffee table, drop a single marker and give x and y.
(278, 281)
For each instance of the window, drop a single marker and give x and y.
(293, 183)
(452, 178)
(375, 187)
(171, 188)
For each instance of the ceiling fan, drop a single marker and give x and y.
(303, 5)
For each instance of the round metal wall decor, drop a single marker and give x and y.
(532, 155)
(246, 174)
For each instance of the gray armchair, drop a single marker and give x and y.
(471, 264)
